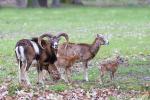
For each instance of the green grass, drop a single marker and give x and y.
(59, 87)
(127, 27)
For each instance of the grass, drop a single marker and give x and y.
(128, 29)
(59, 87)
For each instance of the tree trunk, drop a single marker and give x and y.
(43, 3)
(33, 3)
(21, 3)
(55, 3)
(65, 1)
(77, 2)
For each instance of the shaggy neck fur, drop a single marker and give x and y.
(51, 56)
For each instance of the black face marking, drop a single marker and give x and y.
(120, 60)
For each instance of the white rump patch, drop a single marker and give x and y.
(17, 53)
(22, 55)
(35, 46)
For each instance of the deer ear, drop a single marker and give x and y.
(97, 35)
(117, 56)
(100, 35)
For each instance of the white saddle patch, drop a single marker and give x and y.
(35, 46)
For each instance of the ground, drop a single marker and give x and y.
(128, 32)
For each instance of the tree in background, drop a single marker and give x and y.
(66, 1)
(78, 2)
(43, 3)
(21, 3)
(33, 3)
(55, 3)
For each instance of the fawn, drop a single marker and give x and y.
(111, 65)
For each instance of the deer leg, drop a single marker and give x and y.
(23, 77)
(101, 74)
(62, 73)
(66, 76)
(44, 74)
(40, 75)
(69, 74)
(20, 71)
(85, 71)
(28, 64)
(111, 75)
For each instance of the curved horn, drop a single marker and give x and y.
(64, 35)
(42, 36)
